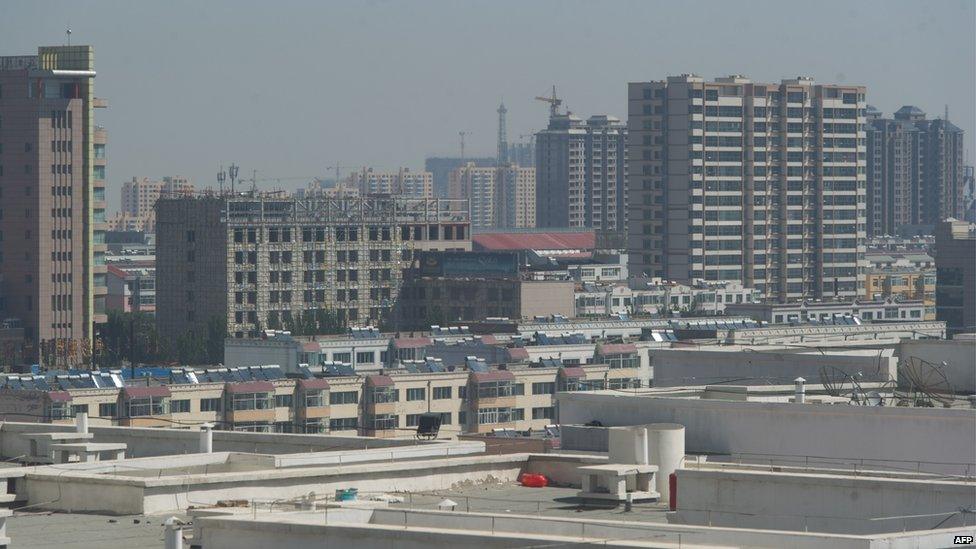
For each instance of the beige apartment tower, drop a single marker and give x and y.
(139, 196)
(52, 202)
(754, 182)
(402, 182)
(499, 197)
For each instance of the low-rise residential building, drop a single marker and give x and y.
(660, 297)
(474, 399)
(811, 311)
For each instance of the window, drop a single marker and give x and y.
(441, 393)
(252, 426)
(283, 401)
(149, 406)
(314, 399)
(546, 412)
(416, 394)
(342, 357)
(108, 410)
(382, 394)
(499, 415)
(343, 423)
(317, 425)
(413, 420)
(181, 406)
(494, 389)
(544, 388)
(210, 405)
(58, 410)
(623, 360)
(344, 397)
(250, 401)
(382, 421)
(79, 409)
(365, 357)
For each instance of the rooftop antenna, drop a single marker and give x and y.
(232, 171)
(946, 118)
(68, 33)
(502, 135)
(221, 177)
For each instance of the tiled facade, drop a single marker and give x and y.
(502, 197)
(755, 182)
(402, 182)
(52, 201)
(264, 262)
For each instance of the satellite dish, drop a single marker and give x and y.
(923, 384)
(838, 383)
(874, 398)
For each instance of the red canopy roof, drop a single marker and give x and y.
(572, 371)
(379, 381)
(146, 392)
(411, 342)
(250, 387)
(494, 375)
(313, 384)
(311, 347)
(534, 241)
(59, 396)
(518, 353)
(618, 349)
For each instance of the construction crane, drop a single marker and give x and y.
(554, 102)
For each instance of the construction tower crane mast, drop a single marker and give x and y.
(554, 102)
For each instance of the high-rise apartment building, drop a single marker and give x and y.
(955, 272)
(401, 182)
(262, 261)
(581, 173)
(52, 201)
(502, 197)
(915, 171)
(441, 167)
(139, 197)
(755, 182)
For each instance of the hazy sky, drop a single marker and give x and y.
(289, 88)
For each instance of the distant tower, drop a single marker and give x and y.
(502, 135)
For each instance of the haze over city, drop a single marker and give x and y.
(290, 88)
(506, 274)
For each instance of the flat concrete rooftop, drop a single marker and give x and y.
(520, 500)
(45, 530)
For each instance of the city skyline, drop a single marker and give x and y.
(178, 65)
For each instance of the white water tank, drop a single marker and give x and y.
(666, 446)
(628, 445)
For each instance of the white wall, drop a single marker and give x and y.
(864, 433)
(819, 503)
(958, 354)
(675, 367)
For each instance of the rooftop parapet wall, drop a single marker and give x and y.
(928, 439)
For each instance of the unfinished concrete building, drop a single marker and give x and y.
(262, 261)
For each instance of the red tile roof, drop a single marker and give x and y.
(534, 241)
(573, 371)
(379, 380)
(411, 342)
(617, 349)
(494, 375)
(518, 353)
(146, 392)
(313, 384)
(59, 396)
(251, 387)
